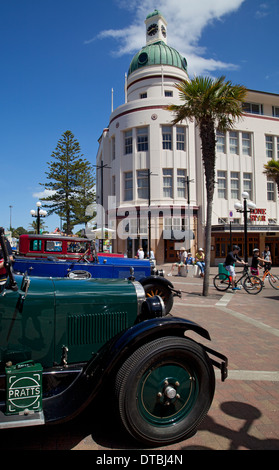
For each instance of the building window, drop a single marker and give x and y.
(221, 142)
(181, 183)
(247, 184)
(223, 244)
(168, 182)
(167, 137)
(180, 138)
(269, 146)
(168, 93)
(275, 111)
(174, 223)
(234, 142)
(128, 142)
(142, 182)
(222, 184)
(113, 148)
(142, 139)
(113, 186)
(234, 185)
(246, 143)
(128, 186)
(270, 190)
(252, 108)
(143, 95)
(272, 146)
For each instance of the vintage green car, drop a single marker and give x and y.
(64, 341)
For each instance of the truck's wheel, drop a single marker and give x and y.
(163, 291)
(164, 390)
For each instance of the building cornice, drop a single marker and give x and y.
(151, 77)
(261, 116)
(135, 110)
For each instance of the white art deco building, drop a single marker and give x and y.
(150, 176)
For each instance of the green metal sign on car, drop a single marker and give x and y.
(24, 388)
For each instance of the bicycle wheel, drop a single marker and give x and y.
(274, 281)
(252, 285)
(221, 282)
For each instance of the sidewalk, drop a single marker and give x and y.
(245, 410)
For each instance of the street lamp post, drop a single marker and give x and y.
(188, 181)
(10, 218)
(38, 214)
(101, 167)
(247, 206)
(149, 174)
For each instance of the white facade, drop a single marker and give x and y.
(142, 151)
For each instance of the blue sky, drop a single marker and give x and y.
(61, 58)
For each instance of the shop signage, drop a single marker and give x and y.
(258, 215)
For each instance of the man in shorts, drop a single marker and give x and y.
(231, 259)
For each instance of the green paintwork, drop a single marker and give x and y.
(158, 53)
(79, 314)
(153, 407)
(154, 13)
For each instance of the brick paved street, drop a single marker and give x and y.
(245, 410)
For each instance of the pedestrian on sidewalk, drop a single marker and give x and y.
(182, 256)
(200, 257)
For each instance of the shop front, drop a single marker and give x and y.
(223, 237)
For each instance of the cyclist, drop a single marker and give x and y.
(231, 259)
(255, 262)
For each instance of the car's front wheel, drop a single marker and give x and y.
(164, 390)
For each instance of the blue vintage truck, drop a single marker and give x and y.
(61, 256)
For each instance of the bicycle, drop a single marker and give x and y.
(272, 278)
(252, 284)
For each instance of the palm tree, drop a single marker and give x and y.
(213, 104)
(272, 171)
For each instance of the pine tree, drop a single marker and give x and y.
(69, 179)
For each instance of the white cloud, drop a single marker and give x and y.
(43, 194)
(186, 22)
(262, 11)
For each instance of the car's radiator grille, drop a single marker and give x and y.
(95, 328)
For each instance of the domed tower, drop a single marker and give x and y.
(148, 156)
(156, 61)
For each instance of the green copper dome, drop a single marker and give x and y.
(157, 53)
(154, 13)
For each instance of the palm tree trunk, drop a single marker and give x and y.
(207, 246)
(207, 135)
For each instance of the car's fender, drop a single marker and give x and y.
(155, 279)
(106, 363)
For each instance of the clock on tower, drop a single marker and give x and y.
(156, 28)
